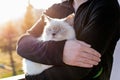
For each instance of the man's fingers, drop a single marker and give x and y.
(89, 56)
(88, 61)
(82, 64)
(90, 51)
(86, 47)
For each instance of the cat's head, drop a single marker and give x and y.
(69, 19)
(58, 29)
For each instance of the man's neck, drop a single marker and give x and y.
(77, 3)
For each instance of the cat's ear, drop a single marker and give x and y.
(47, 18)
(70, 19)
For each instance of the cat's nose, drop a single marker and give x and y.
(53, 34)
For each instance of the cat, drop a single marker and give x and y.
(56, 30)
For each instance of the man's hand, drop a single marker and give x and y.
(78, 53)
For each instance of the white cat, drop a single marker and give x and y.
(55, 29)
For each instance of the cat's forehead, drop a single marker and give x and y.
(56, 27)
(55, 23)
(59, 22)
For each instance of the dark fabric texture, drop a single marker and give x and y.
(49, 52)
(98, 26)
(41, 76)
(96, 22)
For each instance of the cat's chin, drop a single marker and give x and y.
(53, 39)
(57, 39)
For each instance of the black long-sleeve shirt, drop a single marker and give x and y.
(96, 22)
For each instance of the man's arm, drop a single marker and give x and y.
(42, 52)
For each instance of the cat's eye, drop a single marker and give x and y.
(62, 30)
(49, 29)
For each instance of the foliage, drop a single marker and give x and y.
(8, 42)
(28, 19)
(9, 32)
(7, 71)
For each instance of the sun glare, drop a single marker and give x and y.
(12, 9)
(44, 4)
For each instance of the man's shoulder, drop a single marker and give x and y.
(59, 10)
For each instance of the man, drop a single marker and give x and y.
(96, 23)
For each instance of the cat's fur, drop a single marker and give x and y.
(55, 29)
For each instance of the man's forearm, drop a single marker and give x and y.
(50, 52)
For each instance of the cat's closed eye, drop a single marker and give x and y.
(49, 29)
(62, 30)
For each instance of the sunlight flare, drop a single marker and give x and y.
(44, 4)
(13, 9)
